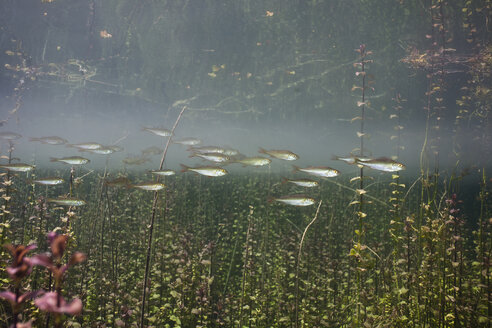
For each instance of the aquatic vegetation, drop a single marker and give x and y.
(401, 240)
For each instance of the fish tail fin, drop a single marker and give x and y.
(53, 159)
(271, 199)
(284, 180)
(295, 168)
(262, 151)
(34, 139)
(184, 168)
(335, 158)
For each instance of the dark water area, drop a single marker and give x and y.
(380, 217)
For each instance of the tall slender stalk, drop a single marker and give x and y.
(151, 225)
(363, 53)
(299, 261)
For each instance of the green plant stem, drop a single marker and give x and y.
(245, 266)
(299, 261)
(151, 225)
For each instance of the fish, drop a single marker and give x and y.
(382, 164)
(285, 155)
(152, 151)
(213, 157)
(10, 135)
(187, 141)
(118, 182)
(66, 201)
(149, 185)
(307, 183)
(253, 161)
(294, 200)
(158, 131)
(17, 167)
(320, 171)
(207, 149)
(135, 160)
(49, 181)
(350, 159)
(210, 171)
(100, 151)
(72, 160)
(231, 152)
(51, 140)
(86, 146)
(115, 148)
(163, 172)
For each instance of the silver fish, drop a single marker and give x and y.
(9, 135)
(382, 164)
(51, 140)
(17, 167)
(163, 172)
(187, 141)
(302, 182)
(294, 200)
(158, 131)
(72, 160)
(285, 155)
(207, 149)
(87, 146)
(66, 201)
(320, 171)
(210, 171)
(150, 186)
(101, 151)
(213, 157)
(254, 161)
(51, 181)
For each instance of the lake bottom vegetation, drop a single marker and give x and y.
(395, 235)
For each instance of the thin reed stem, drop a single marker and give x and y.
(299, 261)
(151, 225)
